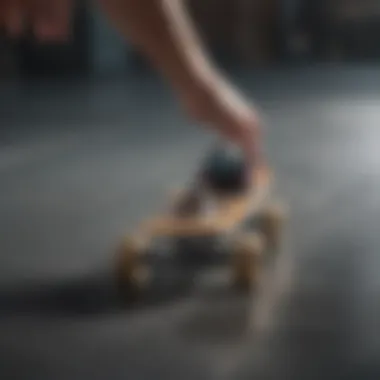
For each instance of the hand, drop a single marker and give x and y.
(224, 110)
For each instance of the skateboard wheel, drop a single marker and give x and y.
(272, 220)
(131, 274)
(247, 251)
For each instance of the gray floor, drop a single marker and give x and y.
(80, 165)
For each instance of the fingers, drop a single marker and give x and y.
(245, 132)
(251, 146)
(251, 143)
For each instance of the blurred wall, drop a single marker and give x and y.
(242, 32)
(109, 50)
(53, 60)
(95, 48)
(248, 32)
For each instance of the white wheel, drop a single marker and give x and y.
(246, 255)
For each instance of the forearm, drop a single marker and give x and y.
(164, 32)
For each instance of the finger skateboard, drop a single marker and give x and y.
(249, 223)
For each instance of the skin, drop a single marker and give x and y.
(163, 31)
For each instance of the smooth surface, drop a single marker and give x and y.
(81, 164)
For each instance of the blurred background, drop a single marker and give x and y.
(90, 141)
(250, 33)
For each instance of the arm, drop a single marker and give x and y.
(163, 30)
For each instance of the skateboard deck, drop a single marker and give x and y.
(227, 212)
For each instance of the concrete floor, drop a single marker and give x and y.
(81, 164)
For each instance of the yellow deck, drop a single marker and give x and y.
(229, 211)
